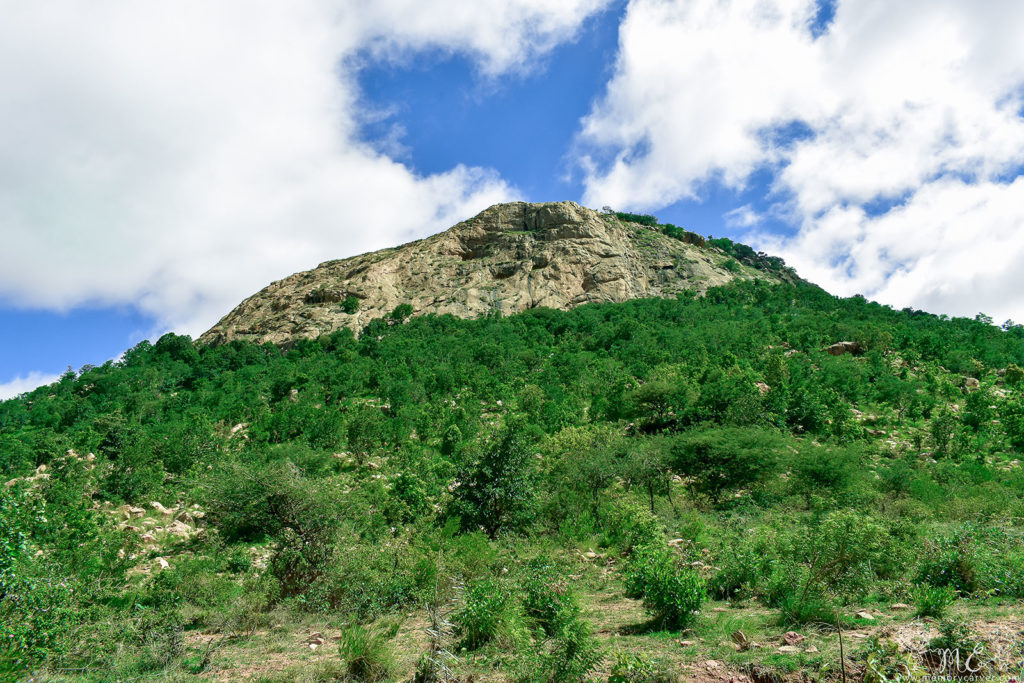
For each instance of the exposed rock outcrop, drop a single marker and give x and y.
(509, 258)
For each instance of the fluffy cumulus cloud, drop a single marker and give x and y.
(23, 383)
(894, 136)
(180, 155)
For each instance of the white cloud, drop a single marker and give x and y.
(23, 383)
(742, 217)
(181, 155)
(915, 103)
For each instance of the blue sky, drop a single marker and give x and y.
(878, 148)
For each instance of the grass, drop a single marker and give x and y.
(278, 651)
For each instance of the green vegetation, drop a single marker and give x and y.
(350, 304)
(527, 478)
(673, 231)
(739, 253)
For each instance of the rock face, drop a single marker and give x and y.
(509, 258)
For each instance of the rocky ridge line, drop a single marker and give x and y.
(509, 258)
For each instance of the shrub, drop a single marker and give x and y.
(823, 472)
(885, 663)
(742, 566)
(547, 598)
(628, 526)
(933, 601)
(952, 561)
(483, 612)
(641, 218)
(634, 668)
(400, 313)
(957, 652)
(564, 649)
(350, 304)
(840, 555)
(36, 608)
(366, 654)
(672, 594)
(1014, 375)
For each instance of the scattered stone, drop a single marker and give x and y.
(676, 542)
(712, 664)
(762, 387)
(161, 563)
(687, 643)
(788, 649)
(793, 638)
(899, 606)
(185, 518)
(840, 348)
(179, 529)
(590, 555)
(40, 470)
(161, 509)
(865, 616)
(315, 640)
(147, 538)
(810, 649)
(972, 383)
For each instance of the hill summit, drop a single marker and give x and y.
(509, 258)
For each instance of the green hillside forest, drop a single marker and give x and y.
(766, 483)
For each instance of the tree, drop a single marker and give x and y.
(495, 492)
(725, 459)
(647, 466)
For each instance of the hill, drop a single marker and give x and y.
(735, 486)
(509, 258)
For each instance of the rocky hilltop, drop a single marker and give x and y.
(509, 258)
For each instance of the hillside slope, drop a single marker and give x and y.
(509, 258)
(691, 488)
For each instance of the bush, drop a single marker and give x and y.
(628, 526)
(886, 663)
(366, 654)
(564, 649)
(350, 304)
(933, 601)
(547, 598)
(823, 472)
(634, 668)
(483, 612)
(672, 594)
(742, 566)
(841, 555)
(952, 561)
(957, 652)
(36, 607)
